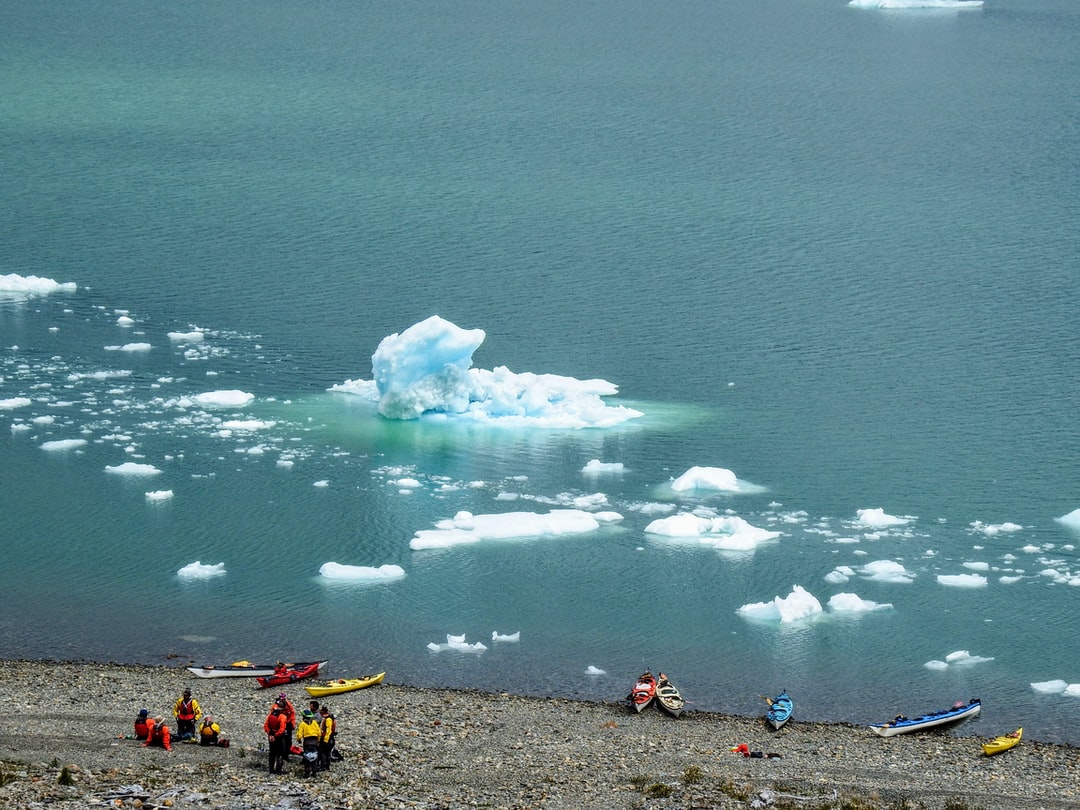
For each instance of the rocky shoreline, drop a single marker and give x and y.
(63, 727)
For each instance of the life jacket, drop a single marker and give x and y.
(329, 728)
(186, 710)
(141, 727)
(275, 723)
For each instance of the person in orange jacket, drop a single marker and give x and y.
(275, 732)
(157, 733)
(290, 722)
(141, 724)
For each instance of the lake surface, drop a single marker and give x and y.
(831, 249)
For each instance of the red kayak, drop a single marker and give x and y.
(643, 693)
(287, 674)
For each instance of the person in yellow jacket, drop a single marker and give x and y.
(208, 731)
(186, 711)
(309, 733)
(328, 737)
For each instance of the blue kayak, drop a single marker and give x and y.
(780, 708)
(906, 725)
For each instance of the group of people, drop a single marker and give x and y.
(186, 711)
(316, 734)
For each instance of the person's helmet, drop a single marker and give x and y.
(282, 696)
(143, 713)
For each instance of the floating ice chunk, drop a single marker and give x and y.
(965, 658)
(336, 571)
(799, 604)
(426, 370)
(186, 337)
(945, 5)
(887, 571)
(1072, 520)
(1072, 690)
(223, 399)
(458, 644)
(729, 533)
(496, 636)
(851, 603)
(962, 580)
(716, 478)
(877, 519)
(48, 419)
(598, 467)
(466, 528)
(133, 468)
(936, 664)
(13, 403)
(1008, 579)
(13, 285)
(991, 529)
(247, 425)
(130, 347)
(125, 320)
(977, 566)
(159, 495)
(61, 445)
(406, 483)
(1051, 687)
(197, 570)
(321, 484)
(591, 670)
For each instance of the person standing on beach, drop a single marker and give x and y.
(275, 732)
(328, 727)
(290, 722)
(141, 724)
(309, 734)
(186, 711)
(157, 733)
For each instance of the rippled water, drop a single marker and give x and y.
(830, 249)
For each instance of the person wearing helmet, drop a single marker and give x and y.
(186, 711)
(308, 733)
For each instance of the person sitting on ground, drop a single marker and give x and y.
(309, 733)
(208, 731)
(157, 733)
(141, 727)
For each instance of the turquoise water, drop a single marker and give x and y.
(831, 249)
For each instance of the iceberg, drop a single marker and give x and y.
(12, 285)
(895, 4)
(727, 533)
(799, 604)
(360, 573)
(427, 371)
(197, 570)
(465, 527)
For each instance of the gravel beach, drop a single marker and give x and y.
(63, 727)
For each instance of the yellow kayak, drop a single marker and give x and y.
(344, 685)
(1003, 743)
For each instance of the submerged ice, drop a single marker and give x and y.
(427, 370)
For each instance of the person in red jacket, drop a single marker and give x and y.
(141, 724)
(290, 723)
(157, 733)
(275, 732)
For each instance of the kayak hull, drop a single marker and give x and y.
(344, 685)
